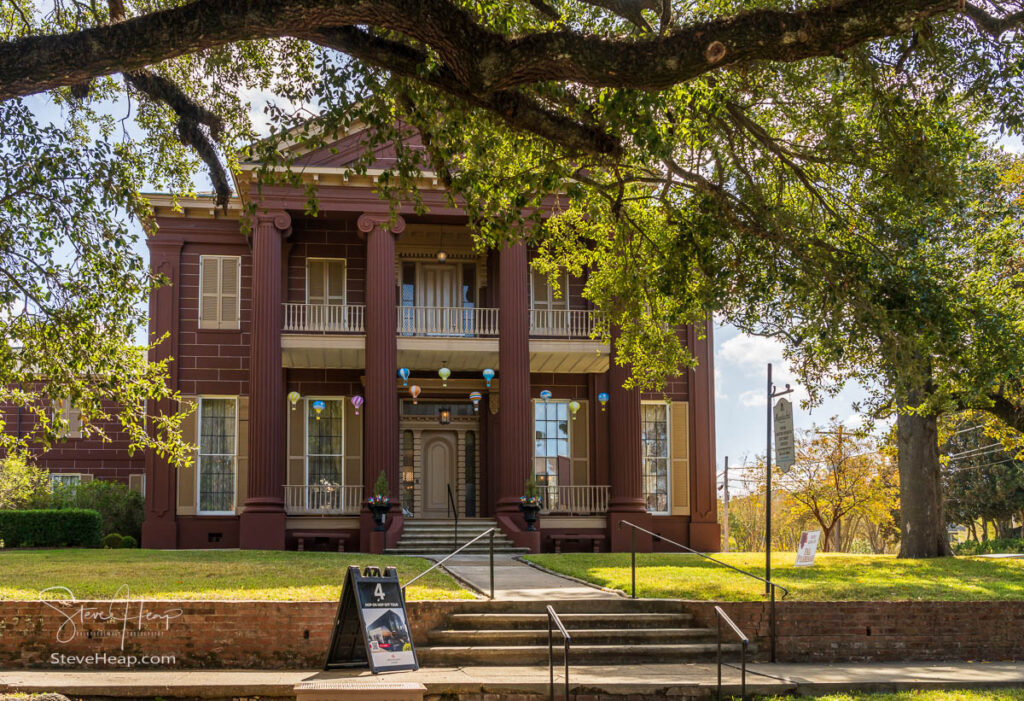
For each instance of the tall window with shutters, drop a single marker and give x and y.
(219, 292)
(70, 417)
(218, 448)
(654, 442)
(325, 281)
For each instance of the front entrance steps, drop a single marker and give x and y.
(604, 631)
(422, 536)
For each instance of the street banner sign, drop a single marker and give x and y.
(808, 547)
(785, 446)
(371, 626)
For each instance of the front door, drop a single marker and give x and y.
(438, 472)
(439, 297)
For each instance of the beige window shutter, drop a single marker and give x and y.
(229, 289)
(137, 482)
(74, 416)
(354, 448)
(209, 292)
(84, 477)
(579, 445)
(315, 292)
(679, 416)
(335, 281)
(187, 477)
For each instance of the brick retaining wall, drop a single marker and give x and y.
(279, 635)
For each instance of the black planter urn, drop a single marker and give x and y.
(380, 513)
(530, 512)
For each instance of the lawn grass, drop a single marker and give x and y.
(930, 695)
(833, 577)
(205, 574)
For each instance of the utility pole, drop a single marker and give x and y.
(772, 394)
(725, 507)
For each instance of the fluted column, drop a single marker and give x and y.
(514, 366)
(381, 410)
(263, 521)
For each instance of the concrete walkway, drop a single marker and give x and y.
(515, 580)
(664, 679)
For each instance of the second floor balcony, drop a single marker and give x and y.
(450, 322)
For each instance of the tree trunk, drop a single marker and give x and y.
(984, 530)
(923, 521)
(973, 532)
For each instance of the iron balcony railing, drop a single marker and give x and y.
(322, 499)
(575, 499)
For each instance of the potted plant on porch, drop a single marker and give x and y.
(530, 504)
(380, 502)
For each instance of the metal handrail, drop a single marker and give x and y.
(554, 620)
(489, 531)
(720, 615)
(772, 585)
(452, 508)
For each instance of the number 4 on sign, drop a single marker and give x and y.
(378, 591)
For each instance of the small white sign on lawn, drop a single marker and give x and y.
(808, 547)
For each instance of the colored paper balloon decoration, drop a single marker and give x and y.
(476, 397)
(357, 401)
(444, 374)
(574, 408)
(488, 376)
(404, 374)
(545, 394)
(603, 398)
(294, 398)
(414, 391)
(319, 406)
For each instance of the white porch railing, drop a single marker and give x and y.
(562, 323)
(322, 499)
(575, 499)
(447, 321)
(324, 318)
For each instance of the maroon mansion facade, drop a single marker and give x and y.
(313, 349)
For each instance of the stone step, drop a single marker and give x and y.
(572, 621)
(445, 550)
(450, 542)
(594, 636)
(621, 605)
(461, 655)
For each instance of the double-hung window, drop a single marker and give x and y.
(654, 442)
(325, 453)
(217, 461)
(548, 313)
(551, 456)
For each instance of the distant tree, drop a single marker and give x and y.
(839, 480)
(22, 483)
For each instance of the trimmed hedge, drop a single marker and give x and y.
(47, 528)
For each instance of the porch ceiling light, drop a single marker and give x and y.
(444, 416)
(442, 256)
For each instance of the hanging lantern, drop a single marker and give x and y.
(574, 408)
(414, 391)
(294, 398)
(404, 374)
(603, 398)
(476, 397)
(488, 376)
(318, 407)
(357, 402)
(444, 374)
(444, 416)
(545, 394)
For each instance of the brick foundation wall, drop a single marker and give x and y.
(879, 631)
(280, 635)
(213, 634)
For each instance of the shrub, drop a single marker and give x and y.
(987, 547)
(46, 528)
(23, 485)
(113, 541)
(129, 542)
(120, 508)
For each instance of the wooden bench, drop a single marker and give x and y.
(595, 538)
(302, 535)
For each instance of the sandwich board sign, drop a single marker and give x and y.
(808, 547)
(785, 446)
(371, 626)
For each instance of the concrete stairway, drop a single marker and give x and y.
(437, 537)
(604, 631)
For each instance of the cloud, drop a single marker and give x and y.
(719, 394)
(752, 398)
(751, 352)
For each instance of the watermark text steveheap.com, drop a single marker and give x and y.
(103, 658)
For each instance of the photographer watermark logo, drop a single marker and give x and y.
(121, 617)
